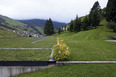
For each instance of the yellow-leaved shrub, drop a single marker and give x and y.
(61, 50)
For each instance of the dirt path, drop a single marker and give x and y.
(40, 39)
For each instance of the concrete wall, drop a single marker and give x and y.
(10, 71)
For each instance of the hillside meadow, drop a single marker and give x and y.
(85, 45)
(76, 70)
(88, 45)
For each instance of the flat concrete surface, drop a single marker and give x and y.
(111, 40)
(84, 62)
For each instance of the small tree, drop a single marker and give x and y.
(85, 23)
(59, 30)
(112, 25)
(61, 50)
(65, 27)
(77, 24)
(71, 26)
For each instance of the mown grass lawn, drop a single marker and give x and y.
(25, 55)
(90, 45)
(79, 70)
(86, 46)
(26, 42)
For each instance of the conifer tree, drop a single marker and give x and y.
(85, 23)
(46, 28)
(71, 26)
(79, 25)
(75, 24)
(59, 30)
(49, 29)
(111, 11)
(94, 16)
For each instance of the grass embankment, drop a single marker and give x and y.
(85, 45)
(90, 45)
(80, 70)
(25, 55)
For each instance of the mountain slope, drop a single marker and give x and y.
(11, 24)
(41, 23)
(6, 33)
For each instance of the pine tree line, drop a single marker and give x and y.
(90, 21)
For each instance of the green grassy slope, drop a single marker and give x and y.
(15, 24)
(24, 42)
(85, 45)
(11, 21)
(39, 29)
(91, 44)
(6, 33)
(79, 70)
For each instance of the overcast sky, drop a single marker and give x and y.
(58, 10)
